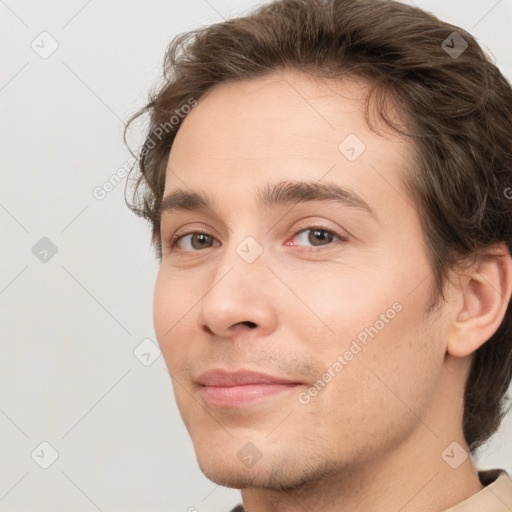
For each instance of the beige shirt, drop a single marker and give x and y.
(495, 497)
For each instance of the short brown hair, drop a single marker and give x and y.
(457, 108)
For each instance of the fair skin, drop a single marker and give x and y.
(372, 439)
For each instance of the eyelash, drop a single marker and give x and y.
(174, 240)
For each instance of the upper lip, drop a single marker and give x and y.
(218, 377)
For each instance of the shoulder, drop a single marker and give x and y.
(496, 496)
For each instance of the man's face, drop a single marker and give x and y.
(333, 315)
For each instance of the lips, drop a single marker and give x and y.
(237, 389)
(239, 378)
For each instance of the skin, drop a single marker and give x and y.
(373, 438)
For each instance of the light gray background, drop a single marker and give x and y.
(70, 325)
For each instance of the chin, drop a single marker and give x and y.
(234, 478)
(277, 472)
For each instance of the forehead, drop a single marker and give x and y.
(287, 125)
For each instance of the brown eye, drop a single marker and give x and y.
(193, 241)
(316, 236)
(320, 236)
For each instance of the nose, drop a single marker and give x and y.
(239, 298)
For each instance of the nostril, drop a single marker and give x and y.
(252, 325)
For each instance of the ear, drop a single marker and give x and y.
(484, 295)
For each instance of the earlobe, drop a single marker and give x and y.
(485, 296)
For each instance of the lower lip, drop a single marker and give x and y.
(239, 396)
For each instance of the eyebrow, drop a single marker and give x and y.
(279, 194)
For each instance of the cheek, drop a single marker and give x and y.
(370, 319)
(341, 302)
(372, 290)
(164, 296)
(389, 373)
(172, 316)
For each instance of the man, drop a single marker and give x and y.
(329, 190)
